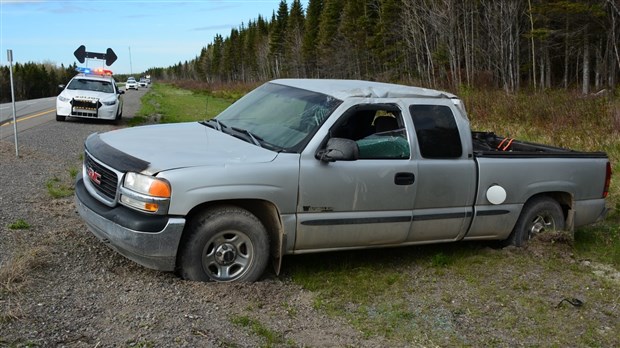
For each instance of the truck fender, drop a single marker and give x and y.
(268, 213)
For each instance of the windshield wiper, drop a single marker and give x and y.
(255, 138)
(217, 126)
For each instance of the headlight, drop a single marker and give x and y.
(147, 185)
(109, 102)
(63, 99)
(146, 193)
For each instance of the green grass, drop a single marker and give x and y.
(178, 105)
(62, 188)
(20, 224)
(58, 189)
(271, 337)
(461, 294)
(600, 242)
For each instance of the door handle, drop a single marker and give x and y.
(404, 179)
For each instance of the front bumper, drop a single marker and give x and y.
(149, 240)
(104, 112)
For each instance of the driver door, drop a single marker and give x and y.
(367, 202)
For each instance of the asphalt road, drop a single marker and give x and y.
(35, 112)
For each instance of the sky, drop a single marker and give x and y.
(143, 34)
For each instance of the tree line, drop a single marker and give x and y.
(508, 44)
(33, 80)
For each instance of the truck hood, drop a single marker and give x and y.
(155, 148)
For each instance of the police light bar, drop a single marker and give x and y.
(98, 71)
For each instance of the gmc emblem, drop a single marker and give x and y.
(94, 176)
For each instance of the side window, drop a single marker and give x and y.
(378, 130)
(436, 130)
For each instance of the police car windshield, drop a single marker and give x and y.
(91, 85)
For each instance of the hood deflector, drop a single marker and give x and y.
(113, 157)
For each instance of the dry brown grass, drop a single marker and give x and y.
(16, 274)
(17, 271)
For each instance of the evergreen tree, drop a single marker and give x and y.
(216, 57)
(277, 36)
(328, 31)
(311, 37)
(353, 39)
(388, 42)
(294, 41)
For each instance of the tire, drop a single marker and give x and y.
(224, 244)
(539, 215)
(118, 118)
(60, 118)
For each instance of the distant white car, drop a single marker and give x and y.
(90, 96)
(131, 84)
(143, 82)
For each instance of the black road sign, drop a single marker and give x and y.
(81, 55)
(110, 57)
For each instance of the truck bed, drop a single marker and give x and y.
(489, 144)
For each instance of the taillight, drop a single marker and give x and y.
(607, 180)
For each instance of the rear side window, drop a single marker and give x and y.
(438, 135)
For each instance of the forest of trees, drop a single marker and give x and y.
(507, 44)
(33, 80)
(535, 44)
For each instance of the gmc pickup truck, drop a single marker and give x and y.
(300, 166)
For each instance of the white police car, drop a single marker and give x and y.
(90, 94)
(131, 84)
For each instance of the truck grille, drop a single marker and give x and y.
(103, 180)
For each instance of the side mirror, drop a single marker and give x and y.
(120, 91)
(339, 149)
(61, 86)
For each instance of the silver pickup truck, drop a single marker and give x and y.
(300, 166)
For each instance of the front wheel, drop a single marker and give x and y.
(540, 215)
(119, 116)
(224, 244)
(60, 118)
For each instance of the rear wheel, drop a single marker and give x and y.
(224, 244)
(539, 215)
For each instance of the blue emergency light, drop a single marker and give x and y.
(82, 70)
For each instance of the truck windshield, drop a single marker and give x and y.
(281, 116)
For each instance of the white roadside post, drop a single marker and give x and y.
(9, 56)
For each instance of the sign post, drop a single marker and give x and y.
(9, 58)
